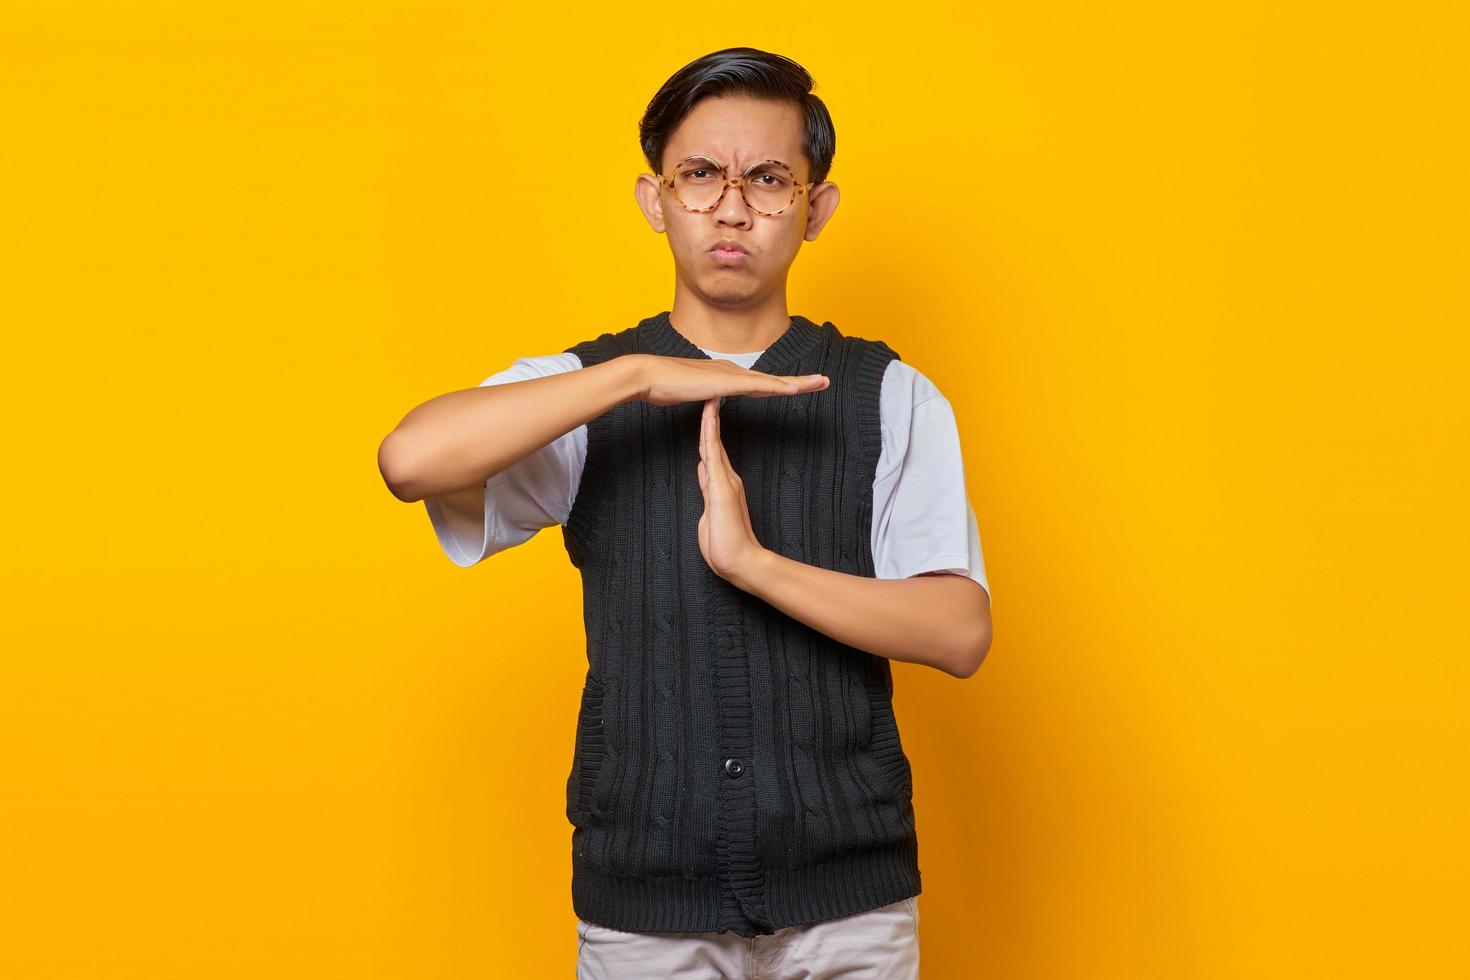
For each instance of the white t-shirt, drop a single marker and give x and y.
(922, 518)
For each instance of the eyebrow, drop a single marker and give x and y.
(710, 159)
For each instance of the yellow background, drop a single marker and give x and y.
(1194, 278)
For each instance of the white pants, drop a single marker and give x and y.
(881, 944)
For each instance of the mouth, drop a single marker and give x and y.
(728, 254)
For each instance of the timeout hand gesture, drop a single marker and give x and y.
(726, 538)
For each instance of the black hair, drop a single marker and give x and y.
(739, 71)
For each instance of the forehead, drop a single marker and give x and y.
(739, 130)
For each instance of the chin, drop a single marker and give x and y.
(729, 292)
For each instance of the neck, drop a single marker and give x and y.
(730, 329)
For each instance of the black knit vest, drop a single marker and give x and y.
(734, 769)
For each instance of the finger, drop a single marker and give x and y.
(717, 450)
(803, 380)
(710, 410)
(724, 458)
(707, 442)
(791, 385)
(711, 440)
(703, 423)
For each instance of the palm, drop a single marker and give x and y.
(726, 536)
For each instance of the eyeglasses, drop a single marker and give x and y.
(768, 186)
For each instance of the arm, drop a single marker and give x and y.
(459, 440)
(441, 449)
(938, 619)
(941, 620)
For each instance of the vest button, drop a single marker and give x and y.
(734, 767)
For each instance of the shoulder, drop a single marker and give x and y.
(906, 387)
(864, 363)
(918, 423)
(916, 420)
(606, 346)
(876, 351)
(535, 366)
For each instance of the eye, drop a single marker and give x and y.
(769, 178)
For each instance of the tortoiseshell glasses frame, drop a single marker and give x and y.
(796, 191)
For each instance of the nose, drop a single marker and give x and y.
(733, 211)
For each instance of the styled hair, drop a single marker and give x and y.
(739, 71)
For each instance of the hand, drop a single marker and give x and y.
(726, 538)
(670, 380)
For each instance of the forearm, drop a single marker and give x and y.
(942, 621)
(463, 438)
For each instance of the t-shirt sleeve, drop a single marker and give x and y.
(536, 492)
(922, 517)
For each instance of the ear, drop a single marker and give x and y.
(821, 202)
(648, 191)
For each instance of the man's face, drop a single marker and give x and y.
(735, 132)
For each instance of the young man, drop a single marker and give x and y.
(759, 534)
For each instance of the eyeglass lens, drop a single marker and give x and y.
(769, 186)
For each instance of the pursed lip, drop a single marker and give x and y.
(727, 245)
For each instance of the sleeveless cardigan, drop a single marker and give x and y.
(733, 768)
